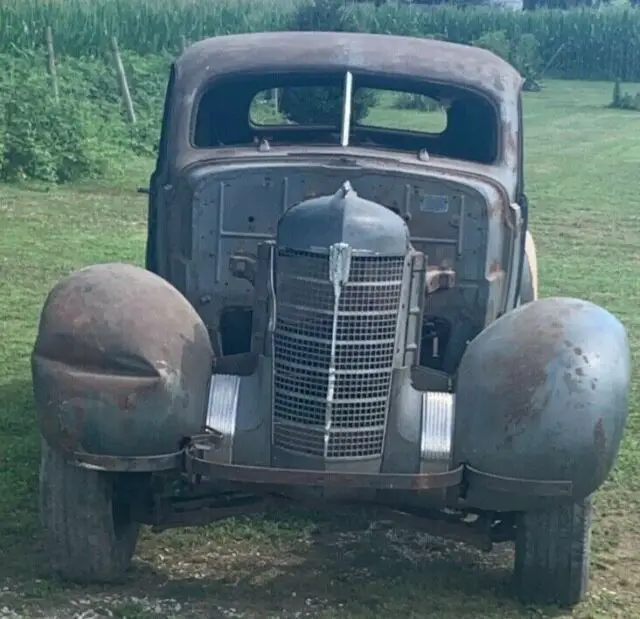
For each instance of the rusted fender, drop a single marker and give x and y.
(532, 257)
(543, 394)
(121, 364)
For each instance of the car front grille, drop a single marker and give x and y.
(307, 418)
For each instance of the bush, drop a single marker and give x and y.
(523, 53)
(46, 141)
(624, 100)
(319, 15)
(497, 42)
(322, 105)
(409, 101)
(43, 139)
(83, 133)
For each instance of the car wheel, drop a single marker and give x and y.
(552, 554)
(89, 533)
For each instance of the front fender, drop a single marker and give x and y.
(543, 394)
(121, 364)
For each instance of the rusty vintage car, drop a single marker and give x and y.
(334, 311)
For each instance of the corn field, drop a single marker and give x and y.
(596, 43)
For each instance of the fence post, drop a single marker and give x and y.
(122, 80)
(51, 63)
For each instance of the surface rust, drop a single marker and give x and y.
(533, 402)
(522, 378)
(447, 66)
(117, 345)
(511, 141)
(196, 464)
(439, 278)
(429, 59)
(463, 474)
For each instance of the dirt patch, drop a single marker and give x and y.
(295, 565)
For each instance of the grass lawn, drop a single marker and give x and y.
(583, 177)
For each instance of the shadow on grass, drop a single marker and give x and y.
(20, 547)
(259, 565)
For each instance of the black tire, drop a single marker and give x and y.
(88, 532)
(552, 554)
(527, 293)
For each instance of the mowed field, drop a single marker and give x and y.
(583, 180)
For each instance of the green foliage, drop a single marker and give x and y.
(84, 27)
(497, 42)
(599, 43)
(319, 15)
(86, 130)
(322, 105)
(410, 101)
(83, 133)
(46, 141)
(522, 52)
(526, 57)
(43, 139)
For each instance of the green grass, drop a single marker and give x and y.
(582, 176)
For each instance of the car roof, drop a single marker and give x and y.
(379, 54)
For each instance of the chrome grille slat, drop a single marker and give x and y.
(330, 313)
(319, 340)
(349, 423)
(301, 366)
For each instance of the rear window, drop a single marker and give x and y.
(377, 108)
(309, 109)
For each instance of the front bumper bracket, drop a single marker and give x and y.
(192, 461)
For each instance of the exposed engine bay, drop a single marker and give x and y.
(236, 208)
